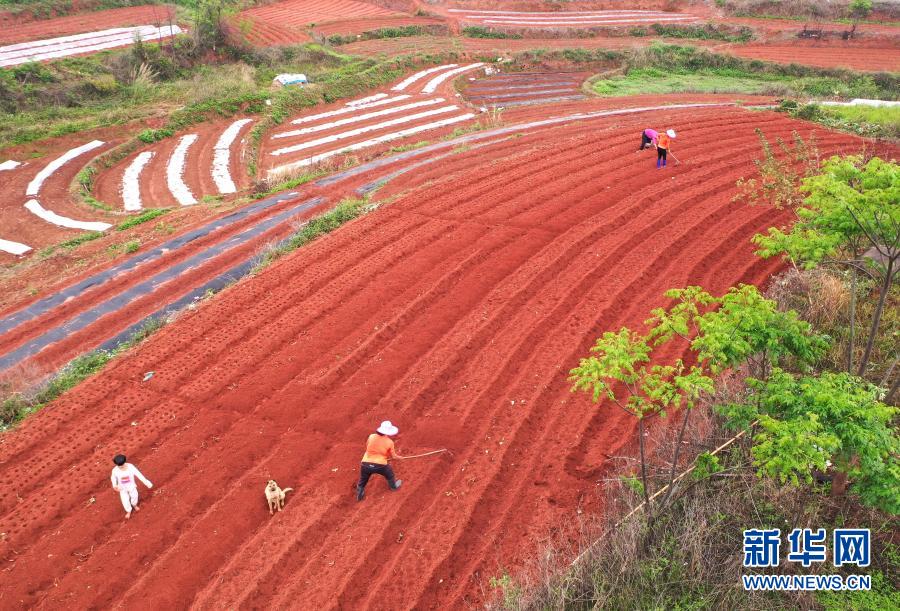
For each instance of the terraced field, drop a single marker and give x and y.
(455, 311)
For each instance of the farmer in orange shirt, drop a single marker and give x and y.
(663, 146)
(379, 450)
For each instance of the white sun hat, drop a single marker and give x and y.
(387, 428)
(670, 133)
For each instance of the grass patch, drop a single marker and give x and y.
(70, 95)
(656, 81)
(395, 32)
(662, 68)
(17, 404)
(347, 210)
(123, 247)
(408, 147)
(79, 240)
(870, 121)
(475, 31)
(290, 183)
(71, 244)
(147, 215)
(708, 31)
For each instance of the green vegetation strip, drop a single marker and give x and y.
(869, 121)
(144, 217)
(347, 210)
(17, 405)
(661, 69)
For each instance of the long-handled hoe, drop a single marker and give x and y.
(424, 454)
(672, 155)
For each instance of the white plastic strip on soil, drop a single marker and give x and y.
(431, 85)
(362, 130)
(420, 75)
(34, 187)
(175, 172)
(222, 157)
(599, 22)
(371, 98)
(9, 165)
(34, 206)
(131, 185)
(357, 118)
(858, 102)
(567, 17)
(348, 108)
(573, 17)
(13, 248)
(65, 46)
(480, 12)
(275, 172)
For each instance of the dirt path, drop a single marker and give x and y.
(456, 311)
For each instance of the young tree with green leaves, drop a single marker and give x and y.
(858, 10)
(208, 22)
(811, 422)
(850, 217)
(721, 333)
(619, 370)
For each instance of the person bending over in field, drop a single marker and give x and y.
(379, 450)
(663, 146)
(648, 136)
(123, 476)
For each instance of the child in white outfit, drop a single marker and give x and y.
(123, 481)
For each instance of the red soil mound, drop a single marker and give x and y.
(455, 311)
(152, 14)
(838, 56)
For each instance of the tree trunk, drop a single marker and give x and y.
(876, 319)
(838, 483)
(643, 464)
(687, 414)
(852, 320)
(889, 399)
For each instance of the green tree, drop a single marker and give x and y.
(850, 216)
(721, 332)
(619, 370)
(858, 10)
(810, 422)
(209, 30)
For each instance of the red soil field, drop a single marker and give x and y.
(869, 59)
(304, 12)
(262, 33)
(480, 46)
(358, 26)
(21, 225)
(197, 175)
(456, 312)
(151, 14)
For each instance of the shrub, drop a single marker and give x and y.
(475, 31)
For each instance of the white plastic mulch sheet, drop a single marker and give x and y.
(76, 44)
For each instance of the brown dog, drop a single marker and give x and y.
(275, 496)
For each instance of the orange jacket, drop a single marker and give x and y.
(379, 448)
(664, 141)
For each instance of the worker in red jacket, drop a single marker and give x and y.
(379, 450)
